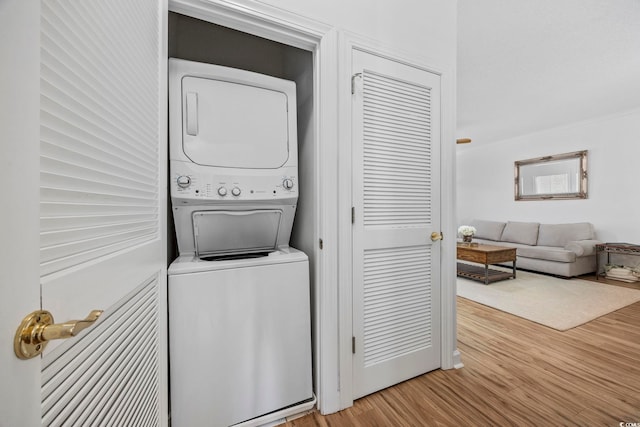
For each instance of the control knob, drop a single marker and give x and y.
(287, 183)
(236, 191)
(222, 191)
(183, 181)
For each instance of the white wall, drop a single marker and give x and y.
(425, 26)
(485, 187)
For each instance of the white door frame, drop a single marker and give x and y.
(450, 356)
(19, 214)
(294, 30)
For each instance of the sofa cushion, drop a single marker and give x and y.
(549, 253)
(489, 230)
(521, 232)
(582, 247)
(561, 234)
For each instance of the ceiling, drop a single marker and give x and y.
(525, 66)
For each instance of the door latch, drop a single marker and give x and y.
(37, 329)
(436, 236)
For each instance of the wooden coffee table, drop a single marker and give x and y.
(487, 255)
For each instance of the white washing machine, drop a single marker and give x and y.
(240, 343)
(239, 309)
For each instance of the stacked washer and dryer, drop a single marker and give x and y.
(239, 310)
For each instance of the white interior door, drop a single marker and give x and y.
(102, 204)
(396, 196)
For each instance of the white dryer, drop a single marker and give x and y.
(233, 159)
(239, 310)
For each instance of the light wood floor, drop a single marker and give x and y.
(516, 373)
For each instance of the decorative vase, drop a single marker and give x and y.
(467, 239)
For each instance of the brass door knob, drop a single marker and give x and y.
(37, 329)
(436, 236)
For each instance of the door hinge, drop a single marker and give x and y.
(353, 345)
(321, 244)
(353, 82)
(353, 215)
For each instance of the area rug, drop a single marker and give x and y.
(557, 303)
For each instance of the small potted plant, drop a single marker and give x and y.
(467, 232)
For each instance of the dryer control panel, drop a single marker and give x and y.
(189, 184)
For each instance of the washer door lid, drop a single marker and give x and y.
(229, 232)
(229, 124)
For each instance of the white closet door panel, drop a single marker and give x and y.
(99, 130)
(102, 210)
(117, 358)
(396, 195)
(396, 160)
(397, 305)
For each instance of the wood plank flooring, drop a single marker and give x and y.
(516, 373)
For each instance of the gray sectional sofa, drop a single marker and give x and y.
(560, 249)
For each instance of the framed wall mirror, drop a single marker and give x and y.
(557, 177)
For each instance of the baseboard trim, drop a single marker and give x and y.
(457, 360)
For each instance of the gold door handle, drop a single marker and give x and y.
(37, 329)
(436, 236)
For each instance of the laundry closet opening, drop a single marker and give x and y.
(201, 41)
(197, 40)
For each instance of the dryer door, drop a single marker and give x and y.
(235, 125)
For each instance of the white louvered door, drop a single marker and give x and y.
(396, 196)
(102, 204)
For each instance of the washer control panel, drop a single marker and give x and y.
(188, 183)
(287, 183)
(183, 181)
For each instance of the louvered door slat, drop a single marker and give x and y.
(81, 198)
(59, 156)
(86, 35)
(92, 121)
(395, 289)
(75, 234)
(110, 360)
(91, 126)
(382, 171)
(394, 299)
(72, 178)
(383, 161)
(406, 315)
(381, 155)
(410, 135)
(386, 87)
(98, 136)
(78, 222)
(415, 121)
(61, 366)
(138, 395)
(78, 251)
(76, 140)
(406, 158)
(64, 210)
